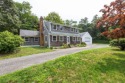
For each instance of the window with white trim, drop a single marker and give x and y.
(74, 38)
(27, 39)
(78, 38)
(61, 38)
(54, 38)
(36, 39)
(72, 29)
(54, 27)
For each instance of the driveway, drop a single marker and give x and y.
(13, 64)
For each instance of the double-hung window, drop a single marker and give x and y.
(36, 39)
(54, 38)
(74, 38)
(61, 38)
(78, 38)
(54, 27)
(27, 39)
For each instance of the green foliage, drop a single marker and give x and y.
(28, 20)
(9, 42)
(83, 44)
(103, 65)
(9, 17)
(14, 15)
(66, 45)
(118, 43)
(71, 23)
(54, 17)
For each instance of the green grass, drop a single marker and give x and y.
(24, 51)
(106, 65)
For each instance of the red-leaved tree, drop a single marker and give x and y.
(113, 19)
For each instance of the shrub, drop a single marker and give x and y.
(83, 44)
(66, 45)
(118, 43)
(9, 42)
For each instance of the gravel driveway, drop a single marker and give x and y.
(13, 64)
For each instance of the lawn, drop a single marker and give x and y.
(24, 51)
(105, 65)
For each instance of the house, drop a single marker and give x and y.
(51, 34)
(31, 37)
(86, 37)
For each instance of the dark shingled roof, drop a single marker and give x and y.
(29, 33)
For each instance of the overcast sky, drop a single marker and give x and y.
(68, 9)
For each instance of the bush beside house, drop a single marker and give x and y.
(118, 43)
(9, 42)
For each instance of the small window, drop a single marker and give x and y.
(54, 27)
(27, 39)
(72, 29)
(54, 38)
(36, 39)
(61, 28)
(76, 30)
(61, 38)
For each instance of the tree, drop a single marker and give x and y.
(54, 17)
(83, 24)
(9, 17)
(113, 19)
(28, 20)
(71, 23)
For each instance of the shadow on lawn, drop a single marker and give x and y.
(113, 64)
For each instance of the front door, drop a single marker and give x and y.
(68, 39)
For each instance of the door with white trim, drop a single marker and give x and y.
(68, 39)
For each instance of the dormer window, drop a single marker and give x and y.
(76, 30)
(72, 29)
(54, 27)
(61, 28)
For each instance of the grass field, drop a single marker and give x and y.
(24, 51)
(106, 65)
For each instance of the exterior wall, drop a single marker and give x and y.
(87, 41)
(59, 43)
(65, 29)
(45, 35)
(31, 41)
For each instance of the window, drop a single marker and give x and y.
(36, 39)
(54, 38)
(54, 27)
(72, 29)
(74, 38)
(61, 38)
(45, 38)
(27, 39)
(78, 38)
(61, 28)
(76, 30)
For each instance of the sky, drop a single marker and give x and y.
(68, 9)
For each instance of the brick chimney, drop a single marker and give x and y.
(41, 28)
